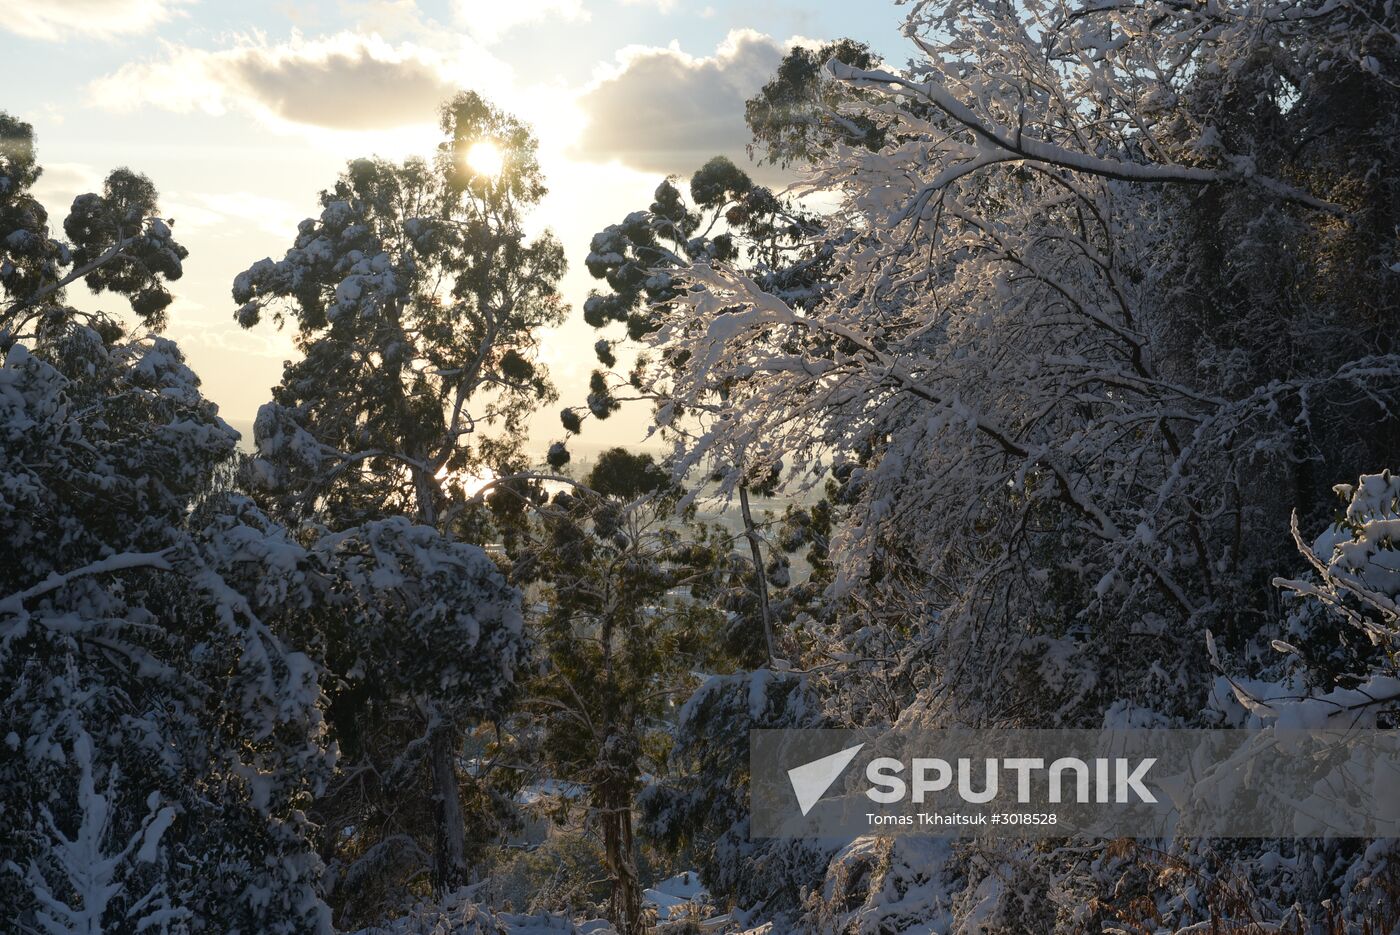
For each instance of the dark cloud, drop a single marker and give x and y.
(666, 112)
(343, 82)
(350, 89)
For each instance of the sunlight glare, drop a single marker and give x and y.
(469, 484)
(485, 158)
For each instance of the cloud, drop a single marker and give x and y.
(344, 81)
(662, 110)
(191, 329)
(66, 19)
(60, 183)
(488, 20)
(233, 212)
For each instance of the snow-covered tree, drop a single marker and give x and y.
(702, 807)
(1116, 295)
(698, 804)
(161, 738)
(88, 884)
(1008, 318)
(625, 618)
(798, 116)
(425, 637)
(417, 299)
(116, 240)
(729, 220)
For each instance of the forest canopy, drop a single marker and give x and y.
(1056, 387)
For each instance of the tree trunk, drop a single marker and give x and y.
(626, 902)
(761, 577)
(450, 838)
(450, 850)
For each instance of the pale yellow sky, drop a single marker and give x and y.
(226, 231)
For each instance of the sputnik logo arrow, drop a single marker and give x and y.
(811, 780)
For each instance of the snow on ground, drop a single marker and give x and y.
(460, 915)
(684, 897)
(679, 896)
(548, 789)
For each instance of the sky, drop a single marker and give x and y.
(241, 112)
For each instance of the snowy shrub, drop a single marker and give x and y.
(876, 885)
(704, 808)
(565, 873)
(147, 642)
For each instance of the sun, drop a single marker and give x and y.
(469, 484)
(485, 158)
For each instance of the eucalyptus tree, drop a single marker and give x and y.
(1010, 314)
(1108, 303)
(417, 300)
(627, 612)
(799, 116)
(729, 219)
(117, 241)
(162, 733)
